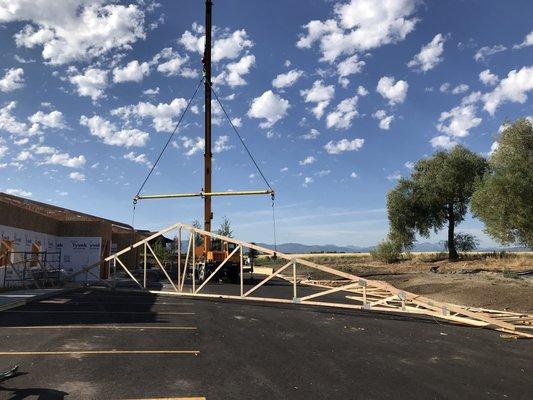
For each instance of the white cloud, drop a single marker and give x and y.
(528, 41)
(322, 173)
(3, 151)
(151, 92)
(39, 120)
(132, 72)
(316, 30)
(19, 192)
(234, 72)
(472, 98)
(308, 160)
(409, 165)
(360, 25)
(74, 30)
(445, 87)
(227, 45)
(108, 132)
(270, 107)
(23, 60)
(343, 115)
(307, 181)
(384, 119)
(171, 63)
(284, 169)
(194, 41)
(272, 135)
(24, 155)
(513, 89)
(161, 114)
(43, 149)
(13, 79)
(77, 176)
(493, 147)
(443, 142)
(488, 78)
(221, 144)
(66, 160)
(137, 158)
(430, 54)
(459, 89)
(53, 119)
(486, 51)
(343, 145)
(394, 92)
(361, 91)
(319, 94)
(313, 134)
(237, 122)
(231, 46)
(288, 79)
(350, 66)
(460, 120)
(10, 124)
(193, 146)
(353, 175)
(92, 83)
(394, 176)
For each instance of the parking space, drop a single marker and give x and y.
(82, 343)
(99, 344)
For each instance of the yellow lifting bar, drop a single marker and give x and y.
(202, 194)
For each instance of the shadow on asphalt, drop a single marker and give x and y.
(89, 307)
(34, 393)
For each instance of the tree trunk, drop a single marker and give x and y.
(452, 252)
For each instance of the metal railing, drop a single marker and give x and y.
(42, 269)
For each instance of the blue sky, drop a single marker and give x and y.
(335, 100)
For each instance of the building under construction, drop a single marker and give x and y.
(32, 232)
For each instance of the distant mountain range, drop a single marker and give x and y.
(298, 248)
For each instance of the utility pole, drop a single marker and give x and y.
(208, 215)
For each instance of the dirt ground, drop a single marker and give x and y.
(484, 289)
(489, 280)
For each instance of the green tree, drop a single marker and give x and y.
(198, 239)
(464, 242)
(437, 194)
(387, 251)
(503, 199)
(225, 228)
(161, 251)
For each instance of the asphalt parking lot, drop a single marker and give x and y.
(99, 344)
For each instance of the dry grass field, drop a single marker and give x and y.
(490, 280)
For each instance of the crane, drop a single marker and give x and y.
(209, 254)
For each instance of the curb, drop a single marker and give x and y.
(38, 297)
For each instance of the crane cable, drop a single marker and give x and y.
(272, 195)
(169, 139)
(161, 154)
